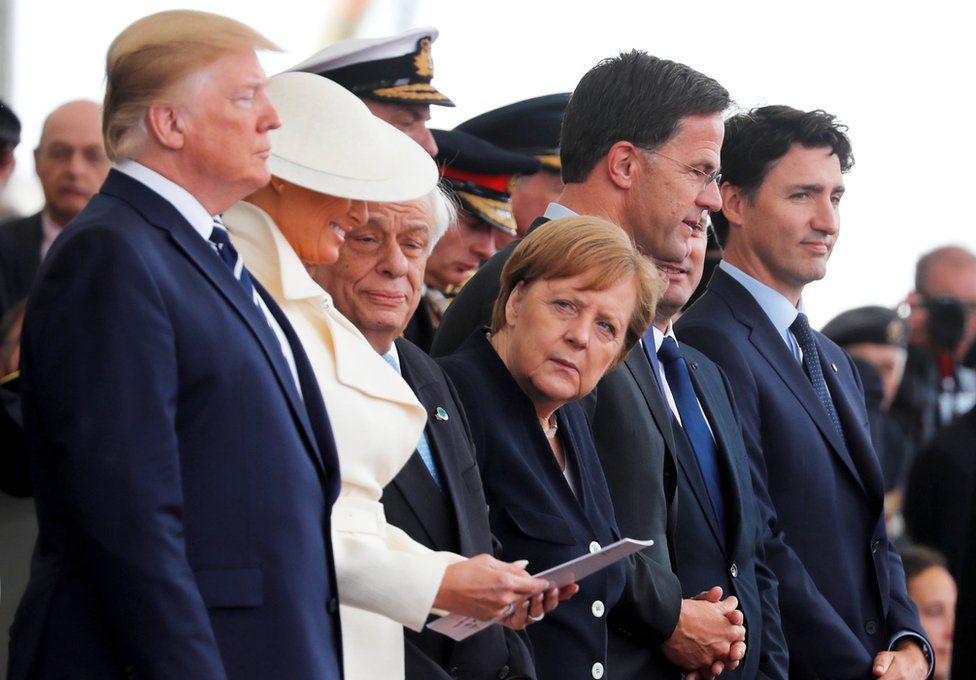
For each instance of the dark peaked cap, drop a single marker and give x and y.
(530, 126)
(480, 173)
(9, 126)
(874, 325)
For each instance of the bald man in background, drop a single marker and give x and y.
(71, 164)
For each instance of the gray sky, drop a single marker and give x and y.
(899, 74)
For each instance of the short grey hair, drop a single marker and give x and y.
(444, 210)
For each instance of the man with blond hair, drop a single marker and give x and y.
(182, 459)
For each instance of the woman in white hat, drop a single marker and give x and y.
(330, 157)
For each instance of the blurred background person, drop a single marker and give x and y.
(940, 380)
(71, 164)
(529, 127)
(478, 175)
(933, 590)
(437, 498)
(575, 297)
(9, 139)
(392, 76)
(386, 579)
(939, 490)
(877, 338)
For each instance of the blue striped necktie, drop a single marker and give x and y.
(811, 362)
(228, 253)
(423, 448)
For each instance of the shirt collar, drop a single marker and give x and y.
(181, 199)
(659, 336)
(780, 311)
(392, 352)
(555, 210)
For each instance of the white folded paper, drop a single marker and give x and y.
(459, 627)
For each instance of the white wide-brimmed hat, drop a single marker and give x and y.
(331, 143)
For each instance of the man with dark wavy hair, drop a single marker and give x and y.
(845, 611)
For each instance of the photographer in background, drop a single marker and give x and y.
(939, 385)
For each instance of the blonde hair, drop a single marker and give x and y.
(584, 246)
(151, 56)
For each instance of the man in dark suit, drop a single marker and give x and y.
(71, 164)
(639, 135)
(719, 533)
(437, 498)
(182, 460)
(844, 608)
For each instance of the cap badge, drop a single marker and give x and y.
(422, 61)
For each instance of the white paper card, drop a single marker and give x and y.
(459, 627)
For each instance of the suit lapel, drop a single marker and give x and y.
(717, 409)
(640, 369)
(440, 434)
(770, 345)
(163, 215)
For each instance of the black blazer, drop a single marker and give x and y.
(454, 520)
(632, 430)
(731, 557)
(534, 513)
(183, 485)
(841, 584)
(20, 256)
(420, 328)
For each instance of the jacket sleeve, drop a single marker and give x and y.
(380, 568)
(100, 406)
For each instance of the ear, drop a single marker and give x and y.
(514, 303)
(733, 203)
(623, 163)
(166, 125)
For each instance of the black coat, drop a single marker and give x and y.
(20, 257)
(454, 520)
(533, 511)
(731, 557)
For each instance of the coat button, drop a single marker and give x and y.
(871, 627)
(503, 673)
(597, 608)
(597, 670)
(594, 547)
(734, 570)
(453, 672)
(875, 546)
(333, 605)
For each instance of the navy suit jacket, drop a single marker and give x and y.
(20, 257)
(183, 484)
(731, 557)
(454, 519)
(532, 509)
(841, 584)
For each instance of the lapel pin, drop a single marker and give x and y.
(694, 364)
(834, 366)
(440, 413)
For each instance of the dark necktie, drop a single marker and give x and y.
(693, 423)
(811, 363)
(232, 258)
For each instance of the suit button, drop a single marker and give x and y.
(503, 673)
(871, 627)
(875, 545)
(597, 608)
(594, 547)
(453, 672)
(333, 605)
(597, 670)
(734, 570)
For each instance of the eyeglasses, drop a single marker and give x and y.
(706, 177)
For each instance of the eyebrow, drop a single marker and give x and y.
(817, 188)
